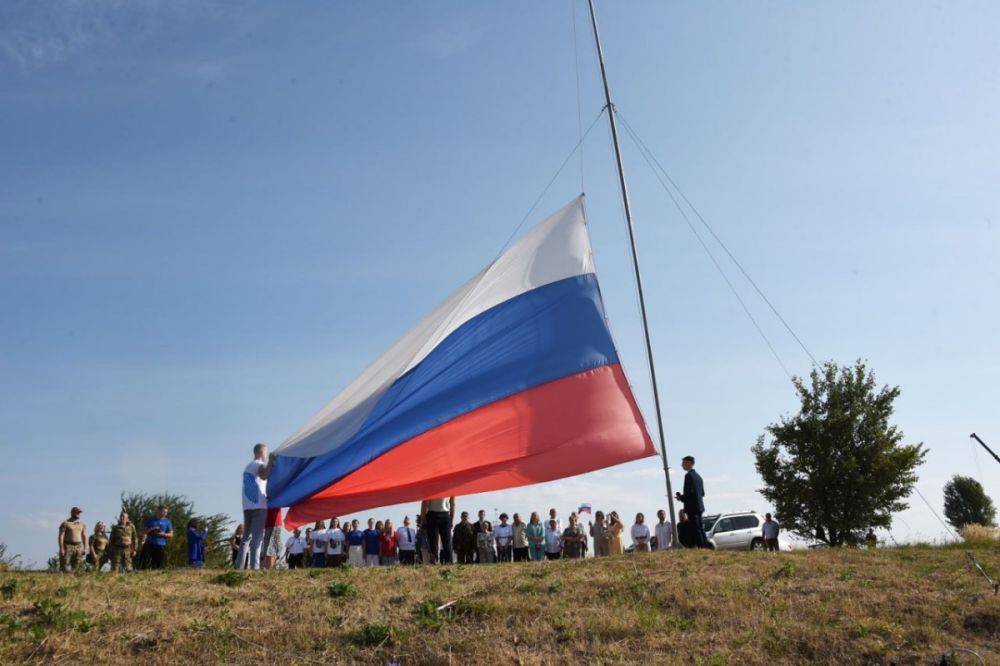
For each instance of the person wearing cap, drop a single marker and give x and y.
(72, 541)
(122, 544)
(159, 531)
(98, 546)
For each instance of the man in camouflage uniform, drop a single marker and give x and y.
(72, 542)
(122, 544)
(98, 546)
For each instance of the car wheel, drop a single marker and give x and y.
(757, 544)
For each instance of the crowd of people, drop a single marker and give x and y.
(125, 546)
(511, 539)
(433, 537)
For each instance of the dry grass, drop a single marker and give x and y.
(981, 535)
(908, 605)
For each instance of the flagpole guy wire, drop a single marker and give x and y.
(635, 264)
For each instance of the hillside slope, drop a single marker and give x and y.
(909, 605)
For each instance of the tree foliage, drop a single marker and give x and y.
(966, 503)
(838, 467)
(7, 560)
(141, 507)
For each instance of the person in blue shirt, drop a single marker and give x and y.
(196, 544)
(355, 545)
(159, 531)
(373, 542)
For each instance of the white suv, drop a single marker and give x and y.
(740, 531)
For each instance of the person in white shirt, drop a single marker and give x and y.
(319, 539)
(664, 531)
(640, 534)
(335, 539)
(295, 549)
(504, 535)
(254, 497)
(553, 516)
(553, 539)
(406, 542)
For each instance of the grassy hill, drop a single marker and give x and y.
(905, 605)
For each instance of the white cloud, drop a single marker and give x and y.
(38, 520)
(35, 34)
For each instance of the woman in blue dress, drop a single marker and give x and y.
(536, 537)
(196, 544)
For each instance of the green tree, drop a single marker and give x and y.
(966, 503)
(839, 466)
(141, 507)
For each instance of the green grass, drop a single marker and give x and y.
(908, 605)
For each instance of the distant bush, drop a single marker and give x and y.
(142, 507)
(980, 535)
(232, 578)
(7, 561)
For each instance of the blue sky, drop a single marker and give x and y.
(212, 217)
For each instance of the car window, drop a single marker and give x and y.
(724, 525)
(744, 522)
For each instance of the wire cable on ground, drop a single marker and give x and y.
(680, 209)
(725, 248)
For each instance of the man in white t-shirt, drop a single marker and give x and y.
(254, 505)
(295, 548)
(406, 542)
(664, 531)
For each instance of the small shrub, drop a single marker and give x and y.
(679, 623)
(340, 589)
(980, 535)
(8, 589)
(427, 615)
(373, 635)
(53, 615)
(315, 573)
(445, 574)
(555, 586)
(786, 570)
(231, 578)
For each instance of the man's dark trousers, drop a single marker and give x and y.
(439, 531)
(699, 535)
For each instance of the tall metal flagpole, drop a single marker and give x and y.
(635, 264)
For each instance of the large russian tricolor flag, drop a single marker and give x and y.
(513, 380)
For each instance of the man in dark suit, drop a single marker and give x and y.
(693, 499)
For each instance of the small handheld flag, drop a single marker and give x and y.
(584, 508)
